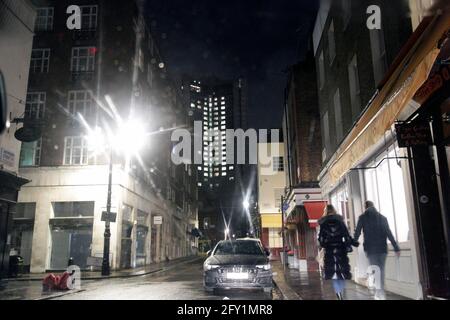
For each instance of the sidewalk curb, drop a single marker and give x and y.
(50, 297)
(125, 276)
(286, 291)
(131, 275)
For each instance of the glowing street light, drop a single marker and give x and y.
(246, 204)
(227, 233)
(129, 140)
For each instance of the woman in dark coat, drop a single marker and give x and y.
(335, 239)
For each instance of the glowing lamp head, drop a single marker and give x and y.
(130, 138)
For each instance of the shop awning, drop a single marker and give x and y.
(271, 220)
(314, 211)
(410, 70)
(12, 181)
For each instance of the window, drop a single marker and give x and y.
(35, 105)
(83, 59)
(321, 71)
(88, 17)
(73, 209)
(378, 54)
(338, 116)
(80, 102)
(44, 19)
(384, 186)
(339, 199)
(40, 60)
(150, 79)
(275, 239)
(141, 60)
(355, 91)
(25, 210)
(331, 43)
(346, 12)
(326, 134)
(75, 151)
(278, 164)
(30, 154)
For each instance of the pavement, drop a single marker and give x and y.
(177, 280)
(295, 285)
(125, 273)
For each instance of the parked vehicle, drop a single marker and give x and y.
(238, 264)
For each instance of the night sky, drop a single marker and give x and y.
(230, 38)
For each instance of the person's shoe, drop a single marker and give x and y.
(339, 296)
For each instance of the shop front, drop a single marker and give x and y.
(271, 234)
(305, 208)
(425, 137)
(396, 155)
(9, 187)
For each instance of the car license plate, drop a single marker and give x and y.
(237, 275)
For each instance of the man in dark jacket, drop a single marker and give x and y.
(376, 232)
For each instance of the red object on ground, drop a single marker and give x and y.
(56, 282)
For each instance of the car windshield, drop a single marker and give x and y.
(239, 247)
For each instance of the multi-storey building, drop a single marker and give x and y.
(218, 106)
(271, 186)
(107, 76)
(369, 80)
(302, 197)
(16, 40)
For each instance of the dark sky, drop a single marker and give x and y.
(231, 38)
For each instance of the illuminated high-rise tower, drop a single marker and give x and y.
(219, 105)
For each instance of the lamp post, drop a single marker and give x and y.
(106, 269)
(128, 140)
(283, 252)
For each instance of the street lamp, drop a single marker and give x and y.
(246, 204)
(129, 140)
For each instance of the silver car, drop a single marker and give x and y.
(238, 264)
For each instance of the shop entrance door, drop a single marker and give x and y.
(80, 249)
(4, 247)
(153, 242)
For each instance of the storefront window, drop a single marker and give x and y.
(73, 209)
(339, 200)
(384, 186)
(22, 235)
(70, 242)
(275, 240)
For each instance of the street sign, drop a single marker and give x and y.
(157, 220)
(111, 218)
(415, 134)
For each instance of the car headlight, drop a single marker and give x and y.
(264, 266)
(208, 267)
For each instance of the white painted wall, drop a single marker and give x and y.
(87, 183)
(269, 181)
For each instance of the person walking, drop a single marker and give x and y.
(335, 239)
(376, 231)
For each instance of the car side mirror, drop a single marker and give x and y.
(267, 251)
(3, 104)
(208, 253)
